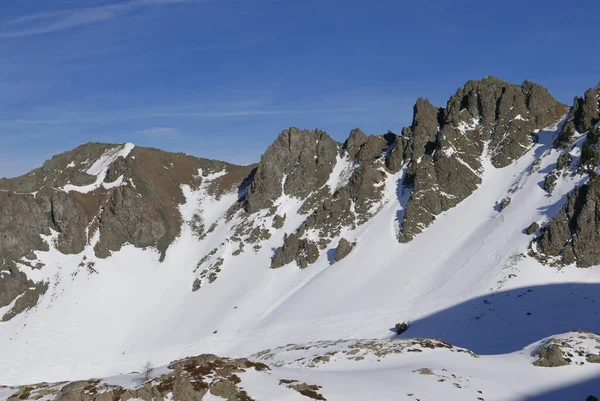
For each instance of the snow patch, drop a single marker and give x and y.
(100, 168)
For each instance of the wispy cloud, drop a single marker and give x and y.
(159, 114)
(40, 23)
(161, 132)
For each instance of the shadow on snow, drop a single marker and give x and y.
(573, 392)
(507, 321)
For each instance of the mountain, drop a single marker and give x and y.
(477, 226)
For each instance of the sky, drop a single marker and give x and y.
(221, 78)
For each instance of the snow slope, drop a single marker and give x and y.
(466, 279)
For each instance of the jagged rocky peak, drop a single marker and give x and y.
(297, 163)
(445, 146)
(123, 193)
(342, 198)
(586, 110)
(571, 236)
(424, 129)
(508, 114)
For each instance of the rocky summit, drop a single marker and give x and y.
(475, 229)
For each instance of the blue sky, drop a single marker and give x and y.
(221, 78)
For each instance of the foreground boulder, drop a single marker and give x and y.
(550, 355)
(343, 249)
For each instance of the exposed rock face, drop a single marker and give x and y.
(105, 194)
(532, 229)
(128, 196)
(304, 158)
(296, 154)
(550, 181)
(586, 112)
(355, 140)
(343, 249)
(590, 152)
(424, 129)
(564, 160)
(573, 234)
(550, 355)
(278, 221)
(190, 379)
(445, 145)
(303, 251)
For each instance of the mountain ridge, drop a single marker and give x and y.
(320, 241)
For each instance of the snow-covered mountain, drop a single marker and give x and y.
(478, 226)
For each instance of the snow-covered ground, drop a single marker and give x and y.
(466, 279)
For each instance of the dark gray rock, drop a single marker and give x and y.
(373, 148)
(355, 141)
(566, 136)
(332, 214)
(504, 203)
(532, 229)
(343, 249)
(590, 153)
(401, 327)
(445, 145)
(303, 251)
(424, 129)
(585, 112)
(573, 234)
(550, 181)
(304, 158)
(278, 221)
(395, 158)
(563, 161)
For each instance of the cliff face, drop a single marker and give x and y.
(446, 145)
(105, 196)
(119, 194)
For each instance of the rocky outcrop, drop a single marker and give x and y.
(573, 234)
(301, 250)
(590, 152)
(586, 110)
(577, 348)
(549, 356)
(424, 129)
(189, 379)
(328, 210)
(446, 145)
(296, 164)
(532, 229)
(504, 203)
(343, 249)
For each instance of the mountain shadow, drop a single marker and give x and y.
(507, 321)
(573, 392)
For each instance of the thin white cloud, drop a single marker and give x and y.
(201, 114)
(40, 23)
(161, 132)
